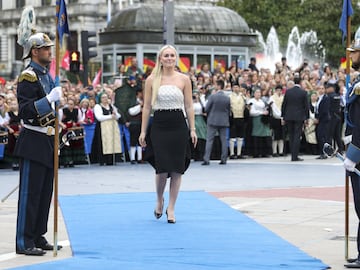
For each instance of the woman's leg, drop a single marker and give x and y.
(175, 184)
(160, 182)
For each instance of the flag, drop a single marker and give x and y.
(184, 64)
(65, 62)
(97, 79)
(62, 26)
(52, 68)
(347, 11)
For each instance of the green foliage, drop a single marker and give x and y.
(321, 16)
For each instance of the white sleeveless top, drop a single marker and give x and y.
(169, 97)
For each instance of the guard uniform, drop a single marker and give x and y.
(35, 148)
(335, 124)
(353, 151)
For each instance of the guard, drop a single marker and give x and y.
(353, 125)
(36, 92)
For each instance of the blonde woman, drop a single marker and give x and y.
(168, 93)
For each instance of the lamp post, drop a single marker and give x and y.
(168, 22)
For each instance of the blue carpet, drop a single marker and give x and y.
(119, 231)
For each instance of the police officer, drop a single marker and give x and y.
(36, 92)
(335, 122)
(352, 158)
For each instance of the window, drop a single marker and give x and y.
(107, 63)
(18, 49)
(20, 3)
(46, 2)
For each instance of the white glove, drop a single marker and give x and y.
(349, 165)
(55, 94)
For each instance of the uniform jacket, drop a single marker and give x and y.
(33, 85)
(353, 112)
(322, 112)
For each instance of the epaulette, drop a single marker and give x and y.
(28, 75)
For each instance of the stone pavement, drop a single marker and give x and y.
(302, 202)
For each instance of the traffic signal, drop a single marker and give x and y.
(87, 44)
(74, 61)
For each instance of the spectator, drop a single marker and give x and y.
(218, 112)
(135, 114)
(252, 65)
(275, 102)
(294, 111)
(14, 127)
(73, 151)
(310, 133)
(237, 121)
(200, 126)
(107, 134)
(261, 132)
(322, 115)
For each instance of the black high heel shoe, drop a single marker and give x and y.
(159, 215)
(172, 221)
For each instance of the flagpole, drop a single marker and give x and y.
(56, 137)
(347, 186)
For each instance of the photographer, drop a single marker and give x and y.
(304, 65)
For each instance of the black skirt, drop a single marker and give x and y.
(168, 146)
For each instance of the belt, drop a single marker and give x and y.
(168, 110)
(49, 130)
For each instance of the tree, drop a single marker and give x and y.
(321, 16)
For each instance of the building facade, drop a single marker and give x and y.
(203, 32)
(91, 15)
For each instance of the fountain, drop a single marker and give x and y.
(270, 51)
(293, 51)
(298, 48)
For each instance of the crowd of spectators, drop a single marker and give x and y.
(252, 84)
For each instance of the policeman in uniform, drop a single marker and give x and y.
(352, 158)
(36, 92)
(335, 123)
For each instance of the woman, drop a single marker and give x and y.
(107, 134)
(70, 120)
(14, 127)
(87, 113)
(168, 92)
(261, 132)
(200, 125)
(135, 128)
(310, 134)
(276, 101)
(87, 122)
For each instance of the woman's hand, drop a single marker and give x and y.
(193, 137)
(142, 141)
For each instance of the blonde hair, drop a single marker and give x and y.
(157, 73)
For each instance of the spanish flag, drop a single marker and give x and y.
(343, 62)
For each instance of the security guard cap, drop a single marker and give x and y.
(37, 40)
(356, 43)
